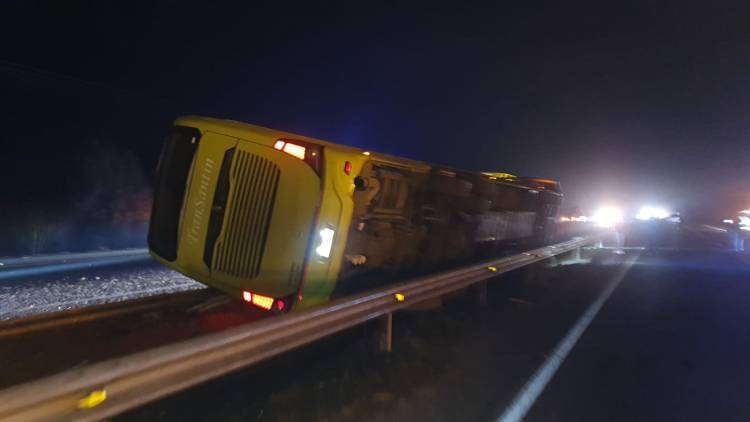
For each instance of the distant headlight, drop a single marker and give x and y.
(652, 213)
(607, 217)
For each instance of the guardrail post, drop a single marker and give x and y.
(552, 262)
(386, 332)
(576, 254)
(481, 293)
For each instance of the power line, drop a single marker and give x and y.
(32, 73)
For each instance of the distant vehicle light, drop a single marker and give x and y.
(674, 218)
(580, 218)
(727, 221)
(366, 153)
(326, 242)
(247, 297)
(652, 213)
(607, 217)
(565, 219)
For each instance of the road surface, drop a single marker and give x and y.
(671, 343)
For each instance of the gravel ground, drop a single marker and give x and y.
(90, 286)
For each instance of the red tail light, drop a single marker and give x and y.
(264, 302)
(347, 167)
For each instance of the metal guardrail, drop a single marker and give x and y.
(25, 267)
(104, 389)
(62, 258)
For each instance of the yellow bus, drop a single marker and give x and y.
(279, 219)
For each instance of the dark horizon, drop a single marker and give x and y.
(627, 105)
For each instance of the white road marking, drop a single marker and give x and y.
(534, 387)
(714, 228)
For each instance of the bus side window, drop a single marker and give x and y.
(394, 193)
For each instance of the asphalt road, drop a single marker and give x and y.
(671, 343)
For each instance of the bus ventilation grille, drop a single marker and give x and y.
(255, 181)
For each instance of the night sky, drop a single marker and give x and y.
(623, 103)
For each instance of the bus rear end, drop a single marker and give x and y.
(236, 211)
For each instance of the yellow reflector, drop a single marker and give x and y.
(400, 297)
(94, 399)
(493, 269)
(261, 301)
